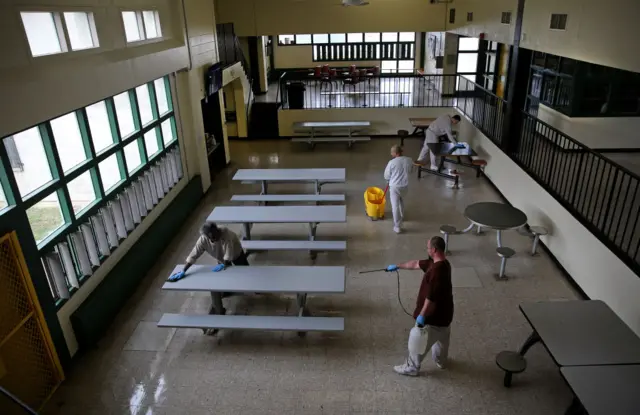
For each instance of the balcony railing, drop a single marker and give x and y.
(602, 195)
(341, 90)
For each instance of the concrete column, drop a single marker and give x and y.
(263, 63)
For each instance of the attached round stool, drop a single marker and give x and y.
(537, 232)
(504, 253)
(447, 230)
(402, 134)
(510, 362)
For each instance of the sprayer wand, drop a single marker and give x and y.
(398, 278)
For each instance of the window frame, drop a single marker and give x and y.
(142, 28)
(102, 197)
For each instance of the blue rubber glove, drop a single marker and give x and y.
(420, 320)
(218, 268)
(177, 276)
(459, 146)
(391, 268)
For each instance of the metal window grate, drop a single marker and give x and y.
(470, 17)
(506, 18)
(558, 22)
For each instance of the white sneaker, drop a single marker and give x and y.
(434, 168)
(440, 365)
(406, 370)
(397, 230)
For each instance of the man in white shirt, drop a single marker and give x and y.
(397, 174)
(441, 126)
(223, 245)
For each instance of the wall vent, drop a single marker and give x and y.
(452, 16)
(470, 17)
(506, 18)
(558, 22)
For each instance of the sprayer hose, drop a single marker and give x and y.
(399, 300)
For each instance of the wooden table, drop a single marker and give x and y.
(265, 176)
(420, 125)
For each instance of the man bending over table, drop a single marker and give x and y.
(223, 245)
(441, 126)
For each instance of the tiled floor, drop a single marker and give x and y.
(141, 369)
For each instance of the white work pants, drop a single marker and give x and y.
(396, 193)
(438, 343)
(430, 137)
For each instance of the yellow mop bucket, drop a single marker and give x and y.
(374, 202)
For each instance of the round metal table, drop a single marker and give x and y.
(494, 215)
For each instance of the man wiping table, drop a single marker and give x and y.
(441, 126)
(223, 245)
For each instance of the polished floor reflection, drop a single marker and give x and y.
(139, 369)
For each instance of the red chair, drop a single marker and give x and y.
(352, 69)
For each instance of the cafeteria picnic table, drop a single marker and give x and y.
(248, 215)
(445, 151)
(494, 215)
(317, 176)
(603, 390)
(579, 333)
(420, 125)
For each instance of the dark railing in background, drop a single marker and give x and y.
(602, 195)
(371, 90)
(353, 52)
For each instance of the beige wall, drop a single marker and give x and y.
(595, 132)
(486, 19)
(273, 17)
(38, 89)
(384, 121)
(599, 273)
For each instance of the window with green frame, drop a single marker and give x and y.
(88, 178)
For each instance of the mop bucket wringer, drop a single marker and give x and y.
(374, 202)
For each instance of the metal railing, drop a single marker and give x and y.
(305, 90)
(601, 194)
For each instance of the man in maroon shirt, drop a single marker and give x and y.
(434, 306)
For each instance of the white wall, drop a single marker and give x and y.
(596, 132)
(273, 17)
(384, 121)
(599, 273)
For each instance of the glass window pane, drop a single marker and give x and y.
(323, 38)
(405, 66)
(338, 38)
(124, 113)
(161, 96)
(132, 156)
(151, 142)
(151, 27)
(31, 168)
(131, 28)
(286, 39)
(109, 172)
(81, 191)
(3, 198)
(468, 43)
(167, 131)
(45, 217)
(303, 39)
(144, 104)
(42, 34)
(66, 134)
(79, 29)
(355, 37)
(467, 62)
(99, 126)
(407, 36)
(390, 37)
(372, 37)
(389, 66)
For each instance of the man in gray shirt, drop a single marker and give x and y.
(223, 245)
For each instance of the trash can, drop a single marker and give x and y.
(295, 95)
(374, 202)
